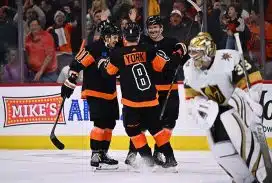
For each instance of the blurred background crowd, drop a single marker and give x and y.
(39, 38)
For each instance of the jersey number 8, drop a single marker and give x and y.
(141, 77)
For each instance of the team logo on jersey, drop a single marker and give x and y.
(134, 58)
(214, 93)
(226, 56)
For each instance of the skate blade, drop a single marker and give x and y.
(105, 167)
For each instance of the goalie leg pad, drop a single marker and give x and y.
(228, 158)
(243, 140)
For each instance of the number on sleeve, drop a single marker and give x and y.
(239, 68)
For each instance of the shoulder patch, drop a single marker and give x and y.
(226, 56)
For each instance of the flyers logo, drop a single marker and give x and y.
(214, 93)
(32, 110)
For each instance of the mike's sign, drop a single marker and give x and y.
(34, 110)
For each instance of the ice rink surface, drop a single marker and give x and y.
(41, 166)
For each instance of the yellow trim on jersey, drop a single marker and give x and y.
(254, 78)
(83, 142)
(191, 93)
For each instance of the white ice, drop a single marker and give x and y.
(42, 166)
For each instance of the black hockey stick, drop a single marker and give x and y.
(259, 131)
(169, 91)
(53, 137)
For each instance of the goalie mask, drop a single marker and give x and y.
(202, 49)
(154, 27)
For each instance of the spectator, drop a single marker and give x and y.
(254, 43)
(214, 26)
(41, 54)
(182, 30)
(98, 5)
(234, 23)
(12, 70)
(8, 33)
(46, 6)
(31, 11)
(138, 6)
(124, 23)
(77, 31)
(61, 32)
(120, 9)
(93, 32)
(179, 5)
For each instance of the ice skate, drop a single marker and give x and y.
(106, 162)
(131, 159)
(170, 164)
(101, 161)
(158, 158)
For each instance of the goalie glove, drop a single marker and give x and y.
(204, 112)
(180, 50)
(69, 85)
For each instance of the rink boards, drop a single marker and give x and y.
(27, 114)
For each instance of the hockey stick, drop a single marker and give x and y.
(53, 137)
(169, 92)
(258, 132)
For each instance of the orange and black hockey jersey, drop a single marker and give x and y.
(136, 65)
(167, 45)
(94, 84)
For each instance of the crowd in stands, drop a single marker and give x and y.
(52, 31)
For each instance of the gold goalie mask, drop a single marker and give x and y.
(201, 49)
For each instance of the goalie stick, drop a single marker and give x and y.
(258, 132)
(53, 137)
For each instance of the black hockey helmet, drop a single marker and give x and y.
(108, 29)
(132, 32)
(153, 20)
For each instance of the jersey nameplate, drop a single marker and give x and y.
(133, 58)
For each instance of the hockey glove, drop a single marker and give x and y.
(204, 112)
(180, 50)
(102, 63)
(68, 86)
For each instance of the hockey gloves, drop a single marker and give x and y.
(102, 63)
(68, 86)
(180, 50)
